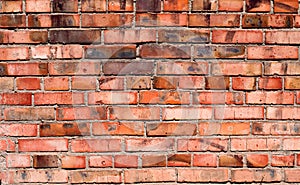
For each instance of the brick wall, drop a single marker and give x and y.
(149, 91)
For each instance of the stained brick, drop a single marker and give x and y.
(75, 36)
(258, 6)
(185, 36)
(287, 6)
(204, 5)
(45, 161)
(106, 20)
(148, 6)
(116, 5)
(64, 129)
(65, 6)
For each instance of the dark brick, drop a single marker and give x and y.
(165, 82)
(179, 160)
(98, 52)
(64, 21)
(45, 161)
(64, 129)
(164, 51)
(258, 5)
(75, 36)
(219, 52)
(12, 21)
(148, 6)
(194, 36)
(125, 68)
(217, 82)
(65, 5)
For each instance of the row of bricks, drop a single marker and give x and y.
(150, 129)
(251, 160)
(150, 175)
(148, 20)
(111, 144)
(129, 36)
(150, 51)
(290, 6)
(150, 97)
(153, 113)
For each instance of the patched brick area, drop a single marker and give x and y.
(149, 92)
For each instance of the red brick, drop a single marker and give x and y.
(66, 98)
(43, 145)
(65, 6)
(258, 6)
(183, 113)
(57, 52)
(238, 144)
(283, 160)
(73, 162)
(28, 83)
(116, 5)
(196, 20)
(56, 84)
(13, 20)
(100, 161)
(119, 128)
(179, 160)
(176, 5)
(171, 129)
(267, 21)
(96, 145)
(75, 36)
(218, 98)
(64, 129)
(217, 82)
(81, 113)
(74, 68)
(83, 83)
(38, 6)
(164, 97)
(275, 68)
(238, 36)
(47, 20)
(212, 52)
(290, 6)
(298, 159)
(27, 69)
(29, 113)
(40, 176)
(210, 5)
(45, 161)
(15, 99)
(257, 160)
(291, 144)
(292, 83)
(283, 113)
(168, 82)
(205, 160)
(205, 144)
(269, 83)
(19, 130)
(214, 20)
(163, 19)
(231, 5)
(110, 52)
(243, 83)
(272, 52)
(93, 6)
(128, 68)
(260, 97)
(25, 37)
(179, 68)
(164, 51)
(18, 161)
(11, 6)
(106, 20)
(154, 160)
(261, 175)
(148, 6)
(7, 145)
(231, 160)
(112, 98)
(226, 128)
(155, 144)
(134, 113)
(14, 53)
(203, 175)
(233, 68)
(239, 113)
(103, 176)
(111, 83)
(291, 175)
(6, 83)
(257, 144)
(126, 161)
(150, 175)
(129, 36)
(191, 82)
(138, 82)
(186, 36)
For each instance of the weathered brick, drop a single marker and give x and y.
(93, 176)
(75, 36)
(211, 52)
(164, 51)
(179, 160)
(134, 113)
(47, 20)
(29, 113)
(291, 175)
(217, 98)
(106, 20)
(258, 6)
(243, 83)
(149, 144)
(100, 161)
(205, 160)
(43, 145)
(267, 21)
(66, 98)
(260, 97)
(157, 175)
(292, 83)
(260, 144)
(83, 83)
(38, 5)
(129, 36)
(40, 176)
(176, 5)
(126, 161)
(111, 83)
(204, 144)
(148, 6)
(57, 52)
(6, 83)
(191, 82)
(45, 161)
(95, 145)
(18, 161)
(65, 6)
(11, 6)
(275, 68)
(121, 6)
(20, 130)
(231, 161)
(206, 5)
(15, 98)
(138, 82)
(93, 5)
(257, 160)
(73, 162)
(186, 36)
(171, 129)
(283, 113)
(217, 82)
(110, 52)
(238, 36)
(164, 97)
(28, 83)
(261, 175)
(169, 82)
(288, 6)
(56, 84)
(25, 69)
(128, 68)
(10, 21)
(64, 129)
(203, 175)
(272, 52)
(74, 68)
(112, 98)
(231, 5)
(226, 128)
(81, 113)
(179, 68)
(234, 68)
(14, 53)
(291, 144)
(283, 160)
(118, 128)
(24, 37)
(154, 160)
(183, 113)
(7, 145)
(239, 113)
(163, 19)
(282, 37)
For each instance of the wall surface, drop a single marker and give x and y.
(149, 91)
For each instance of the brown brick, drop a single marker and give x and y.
(234, 69)
(7, 21)
(11, 6)
(219, 52)
(176, 5)
(225, 20)
(120, 6)
(65, 6)
(268, 21)
(148, 6)
(93, 5)
(196, 20)
(75, 36)
(45, 161)
(207, 5)
(164, 51)
(179, 160)
(138, 82)
(119, 128)
(257, 160)
(6, 83)
(46, 20)
(128, 68)
(186, 36)
(168, 82)
(231, 161)
(64, 129)
(258, 6)
(154, 160)
(110, 52)
(217, 83)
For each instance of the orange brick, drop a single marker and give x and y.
(231, 161)
(275, 68)
(238, 36)
(259, 97)
(272, 52)
(179, 160)
(11, 6)
(205, 160)
(119, 128)
(257, 160)
(96, 145)
(56, 83)
(26, 37)
(18, 161)
(164, 97)
(66, 98)
(228, 20)
(15, 99)
(126, 161)
(292, 83)
(83, 83)
(176, 5)
(100, 161)
(257, 144)
(243, 83)
(154, 160)
(28, 83)
(142, 175)
(38, 6)
(290, 6)
(73, 162)
(106, 20)
(171, 129)
(226, 128)
(283, 160)
(111, 83)
(43, 145)
(231, 5)
(149, 144)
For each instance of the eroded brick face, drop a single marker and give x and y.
(149, 92)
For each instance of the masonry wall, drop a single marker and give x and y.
(149, 91)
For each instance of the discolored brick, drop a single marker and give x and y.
(148, 6)
(113, 52)
(45, 161)
(65, 6)
(64, 129)
(75, 36)
(204, 5)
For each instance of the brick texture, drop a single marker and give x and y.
(149, 92)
